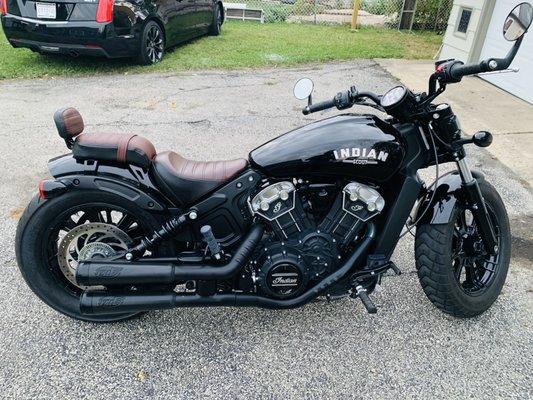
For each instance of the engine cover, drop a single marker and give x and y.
(286, 268)
(283, 272)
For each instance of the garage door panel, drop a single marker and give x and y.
(521, 83)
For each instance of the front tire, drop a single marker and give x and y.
(38, 243)
(216, 25)
(453, 272)
(152, 47)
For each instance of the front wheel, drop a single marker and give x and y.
(216, 25)
(456, 273)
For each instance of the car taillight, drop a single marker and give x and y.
(3, 7)
(104, 12)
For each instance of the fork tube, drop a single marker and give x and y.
(477, 206)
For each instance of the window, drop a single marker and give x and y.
(464, 20)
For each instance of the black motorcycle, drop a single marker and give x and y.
(121, 229)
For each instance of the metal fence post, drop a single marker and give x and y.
(407, 15)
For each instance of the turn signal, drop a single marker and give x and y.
(3, 7)
(104, 12)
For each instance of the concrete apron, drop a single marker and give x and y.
(481, 106)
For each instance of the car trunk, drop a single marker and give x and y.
(57, 10)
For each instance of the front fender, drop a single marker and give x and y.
(442, 206)
(130, 182)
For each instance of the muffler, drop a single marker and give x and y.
(126, 273)
(102, 302)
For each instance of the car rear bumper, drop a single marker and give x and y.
(72, 38)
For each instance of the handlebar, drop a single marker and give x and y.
(324, 105)
(458, 70)
(343, 100)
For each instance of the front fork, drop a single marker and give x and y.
(477, 206)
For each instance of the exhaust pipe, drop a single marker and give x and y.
(95, 273)
(101, 302)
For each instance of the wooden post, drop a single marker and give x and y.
(355, 13)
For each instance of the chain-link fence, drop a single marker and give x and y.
(407, 14)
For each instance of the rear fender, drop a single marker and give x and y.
(130, 182)
(447, 194)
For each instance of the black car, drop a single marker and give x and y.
(109, 28)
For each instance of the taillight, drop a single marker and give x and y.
(3, 7)
(104, 12)
(49, 188)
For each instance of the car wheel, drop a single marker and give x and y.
(216, 25)
(152, 44)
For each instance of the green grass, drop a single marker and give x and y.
(241, 45)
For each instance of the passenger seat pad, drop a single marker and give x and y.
(114, 147)
(186, 181)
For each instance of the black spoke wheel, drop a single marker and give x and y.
(473, 267)
(54, 235)
(455, 271)
(152, 44)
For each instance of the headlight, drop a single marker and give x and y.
(393, 96)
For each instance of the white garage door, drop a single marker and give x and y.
(520, 84)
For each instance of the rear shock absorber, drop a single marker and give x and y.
(169, 228)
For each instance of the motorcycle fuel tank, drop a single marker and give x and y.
(353, 146)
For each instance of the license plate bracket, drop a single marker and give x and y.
(46, 10)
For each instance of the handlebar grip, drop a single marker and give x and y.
(324, 105)
(457, 71)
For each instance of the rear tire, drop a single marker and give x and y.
(36, 233)
(152, 46)
(442, 261)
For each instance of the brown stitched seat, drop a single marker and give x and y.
(185, 180)
(181, 179)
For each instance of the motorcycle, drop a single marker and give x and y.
(317, 212)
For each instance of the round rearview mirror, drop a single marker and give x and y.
(303, 88)
(518, 22)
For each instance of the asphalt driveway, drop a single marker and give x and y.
(408, 350)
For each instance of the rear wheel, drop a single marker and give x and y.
(53, 237)
(456, 273)
(152, 44)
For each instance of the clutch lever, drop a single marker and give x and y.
(503, 71)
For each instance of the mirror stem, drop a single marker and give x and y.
(504, 63)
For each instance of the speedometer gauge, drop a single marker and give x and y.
(393, 96)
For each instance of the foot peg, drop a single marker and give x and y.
(365, 299)
(212, 243)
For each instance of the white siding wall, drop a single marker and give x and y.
(457, 44)
(520, 84)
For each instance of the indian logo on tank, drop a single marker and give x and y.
(360, 155)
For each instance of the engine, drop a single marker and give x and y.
(306, 245)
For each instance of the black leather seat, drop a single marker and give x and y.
(185, 181)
